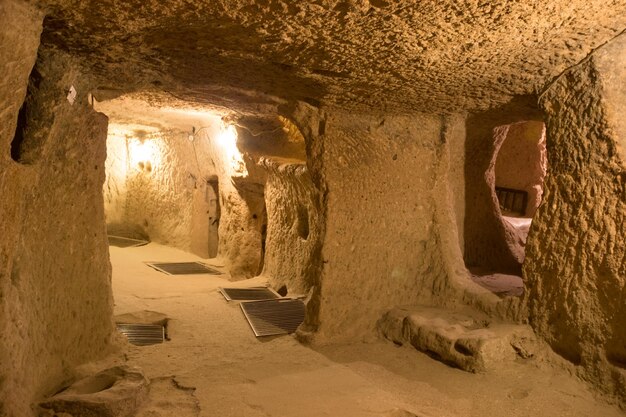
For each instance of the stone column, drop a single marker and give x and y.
(576, 254)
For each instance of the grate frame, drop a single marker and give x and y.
(512, 200)
(183, 268)
(249, 293)
(140, 334)
(273, 317)
(125, 242)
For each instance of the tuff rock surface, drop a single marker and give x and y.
(371, 55)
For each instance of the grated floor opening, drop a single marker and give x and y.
(255, 293)
(183, 268)
(142, 334)
(273, 317)
(125, 242)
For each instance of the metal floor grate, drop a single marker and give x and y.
(255, 293)
(142, 334)
(125, 242)
(183, 268)
(273, 317)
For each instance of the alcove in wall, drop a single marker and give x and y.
(520, 169)
(514, 178)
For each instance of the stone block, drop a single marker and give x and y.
(464, 340)
(114, 392)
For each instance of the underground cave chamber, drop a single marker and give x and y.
(429, 186)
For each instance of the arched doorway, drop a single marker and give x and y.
(513, 187)
(519, 172)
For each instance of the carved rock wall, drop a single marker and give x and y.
(576, 253)
(55, 291)
(391, 234)
(168, 198)
(294, 230)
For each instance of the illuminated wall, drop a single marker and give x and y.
(147, 185)
(157, 184)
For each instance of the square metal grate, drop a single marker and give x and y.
(511, 200)
(125, 242)
(183, 268)
(254, 293)
(142, 334)
(273, 317)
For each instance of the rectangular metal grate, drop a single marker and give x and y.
(511, 200)
(183, 268)
(142, 334)
(255, 293)
(273, 317)
(125, 242)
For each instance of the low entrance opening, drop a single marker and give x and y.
(520, 170)
(515, 177)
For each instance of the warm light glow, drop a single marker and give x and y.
(228, 135)
(140, 152)
(227, 139)
(143, 154)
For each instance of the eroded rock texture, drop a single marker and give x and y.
(463, 339)
(293, 246)
(377, 200)
(162, 183)
(357, 54)
(153, 193)
(113, 392)
(576, 256)
(55, 293)
(383, 188)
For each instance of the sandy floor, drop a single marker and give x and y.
(502, 285)
(214, 366)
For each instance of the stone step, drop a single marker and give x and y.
(468, 340)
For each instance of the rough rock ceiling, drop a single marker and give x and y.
(376, 55)
(159, 112)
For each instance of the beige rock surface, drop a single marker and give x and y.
(378, 206)
(390, 228)
(142, 317)
(157, 197)
(168, 198)
(54, 271)
(293, 246)
(395, 105)
(384, 56)
(464, 339)
(113, 392)
(213, 364)
(576, 296)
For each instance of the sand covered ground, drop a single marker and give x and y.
(214, 365)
